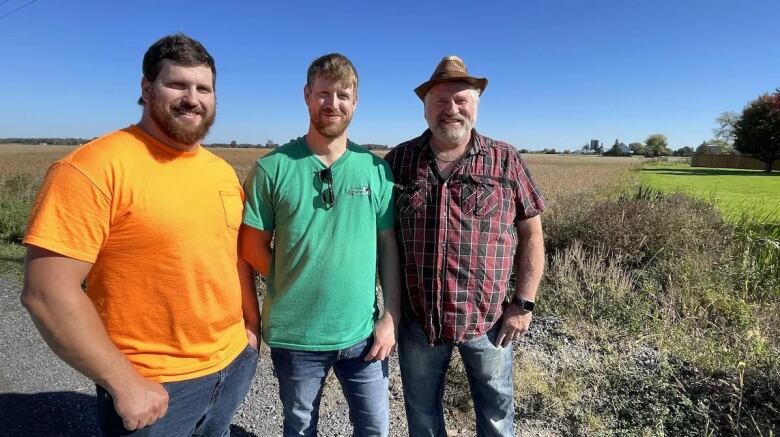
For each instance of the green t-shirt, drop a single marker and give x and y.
(321, 292)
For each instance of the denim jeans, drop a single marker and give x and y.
(201, 406)
(423, 370)
(302, 375)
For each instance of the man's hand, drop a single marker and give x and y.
(385, 333)
(140, 403)
(515, 322)
(253, 338)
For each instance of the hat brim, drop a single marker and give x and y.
(479, 83)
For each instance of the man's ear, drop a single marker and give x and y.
(306, 93)
(146, 89)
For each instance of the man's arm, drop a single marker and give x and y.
(256, 248)
(529, 266)
(386, 328)
(249, 304)
(69, 324)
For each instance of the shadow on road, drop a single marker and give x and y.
(62, 414)
(47, 414)
(238, 431)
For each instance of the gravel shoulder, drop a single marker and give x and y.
(42, 396)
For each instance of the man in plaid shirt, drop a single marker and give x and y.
(468, 213)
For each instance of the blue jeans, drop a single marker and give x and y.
(201, 406)
(423, 369)
(302, 375)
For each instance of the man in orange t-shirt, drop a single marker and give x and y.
(149, 219)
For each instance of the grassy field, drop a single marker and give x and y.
(735, 192)
(656, 316)
(22, 168)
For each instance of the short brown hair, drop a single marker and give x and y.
(178, 48)
(335, 67)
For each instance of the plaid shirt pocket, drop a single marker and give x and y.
(480, 196)
(410, 199)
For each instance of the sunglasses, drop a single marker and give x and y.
(327, 195)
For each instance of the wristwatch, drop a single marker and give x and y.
(524, 304)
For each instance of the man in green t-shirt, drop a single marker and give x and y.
(327, 204)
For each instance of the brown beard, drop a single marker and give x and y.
(329, 130)
(178, 131)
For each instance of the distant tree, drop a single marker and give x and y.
(567, 152)
(270, 144)
(233, 143)
(523, 150)
(618, 149)
(727, 123)
(758, 131)
(683, 151)
(715, 146)
(637, 148)
(657, 145)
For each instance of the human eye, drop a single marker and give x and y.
(205, 89)
(175, 85)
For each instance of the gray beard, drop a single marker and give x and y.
(451, 136)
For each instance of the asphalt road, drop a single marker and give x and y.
(42, 396)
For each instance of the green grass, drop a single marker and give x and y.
(735, 192)
(11, 260)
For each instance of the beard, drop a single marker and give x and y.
(181, 131)
(330, 129)
(451, 134)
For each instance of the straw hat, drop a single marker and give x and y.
(450, 69)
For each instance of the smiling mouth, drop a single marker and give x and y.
(451, 122)
(333, 117)
(189, 114)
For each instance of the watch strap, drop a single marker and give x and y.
(524, 304)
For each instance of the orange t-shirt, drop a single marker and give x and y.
(160, 227)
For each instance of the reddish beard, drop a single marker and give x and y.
(330, 129)
(178, 130)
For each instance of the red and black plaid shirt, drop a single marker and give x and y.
(457, 236)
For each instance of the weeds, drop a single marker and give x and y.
(667, 272)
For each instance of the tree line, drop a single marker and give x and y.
(46, 141)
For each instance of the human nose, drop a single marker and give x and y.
(451, 108)
(191, 94)
(330, 100)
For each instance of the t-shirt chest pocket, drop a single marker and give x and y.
(233, 208)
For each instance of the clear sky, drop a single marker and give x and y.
(560, 71)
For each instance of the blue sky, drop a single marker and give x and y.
(560, 72)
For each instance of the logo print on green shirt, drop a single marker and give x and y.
(359, 191)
